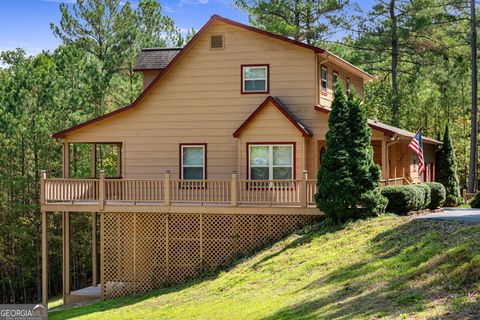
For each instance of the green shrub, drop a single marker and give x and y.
(451, 201)
(438, 195)
(419, 196)
(427, 195)
(348, 182)
(446, 171)
(475, 202)
(401, 199)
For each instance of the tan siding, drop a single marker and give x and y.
(356, 83)
(199, 101)
(270, 125)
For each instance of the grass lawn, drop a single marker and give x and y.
(387, 267)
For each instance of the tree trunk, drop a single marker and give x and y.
(394, 54)
(472, 173)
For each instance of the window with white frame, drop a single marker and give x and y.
(324, 79)
(255, 79)
(271, 162)
(193, 162)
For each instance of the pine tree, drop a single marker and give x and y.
(446, 170)
(365, 173)
(348, 180)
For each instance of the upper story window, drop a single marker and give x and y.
(193, 161)
(255, 78)
(217, 41)
(324, 79)
(335, 77)
(271, 161)
(347, 86)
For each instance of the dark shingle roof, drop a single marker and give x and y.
(155, 58)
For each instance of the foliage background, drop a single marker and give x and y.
(418, 50)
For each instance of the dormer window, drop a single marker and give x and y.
(255, 78)
(216, 41)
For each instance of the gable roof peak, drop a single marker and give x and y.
(275, 101)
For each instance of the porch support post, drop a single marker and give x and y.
(66, 159)
(303, 189)
(66, 255)
(385, 169)
(44, 260)
(94, 249)
(233, 191)
(119, 160)
(101, 191)
(166, 189)
(94, 160)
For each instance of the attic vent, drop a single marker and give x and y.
(216, 41)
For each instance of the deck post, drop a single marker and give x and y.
(303, 189)
(233, 191)
(94, 249)
(166, 188)
(44, 260)
(66, 255)
(43, 176)
(101, 191)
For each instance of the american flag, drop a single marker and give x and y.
(416, 145)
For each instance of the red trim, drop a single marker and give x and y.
(180, 171)
(268, 78)
(181, 53)
(270, 143)
(237, 132)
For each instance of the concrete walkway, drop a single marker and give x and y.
(456, 214)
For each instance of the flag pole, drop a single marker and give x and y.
(406, 149)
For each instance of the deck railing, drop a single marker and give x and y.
(232, 192)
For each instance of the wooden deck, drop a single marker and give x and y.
(175, 195)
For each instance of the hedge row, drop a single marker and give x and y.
(403, 199)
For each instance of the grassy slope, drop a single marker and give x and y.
(387, 267)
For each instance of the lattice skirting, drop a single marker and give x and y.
(145, 251)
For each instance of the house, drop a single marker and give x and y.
(217, 155)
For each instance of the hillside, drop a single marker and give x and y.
(388, 267)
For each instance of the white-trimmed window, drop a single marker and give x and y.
(193, 161)
(255, 79)
(324, 79)
(271, 161)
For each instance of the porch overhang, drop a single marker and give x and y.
(387, 129)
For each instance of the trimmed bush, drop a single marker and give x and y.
(438, 195)
(427, 194)
(401, 199)
(475, 202)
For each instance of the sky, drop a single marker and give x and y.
(26, 23)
